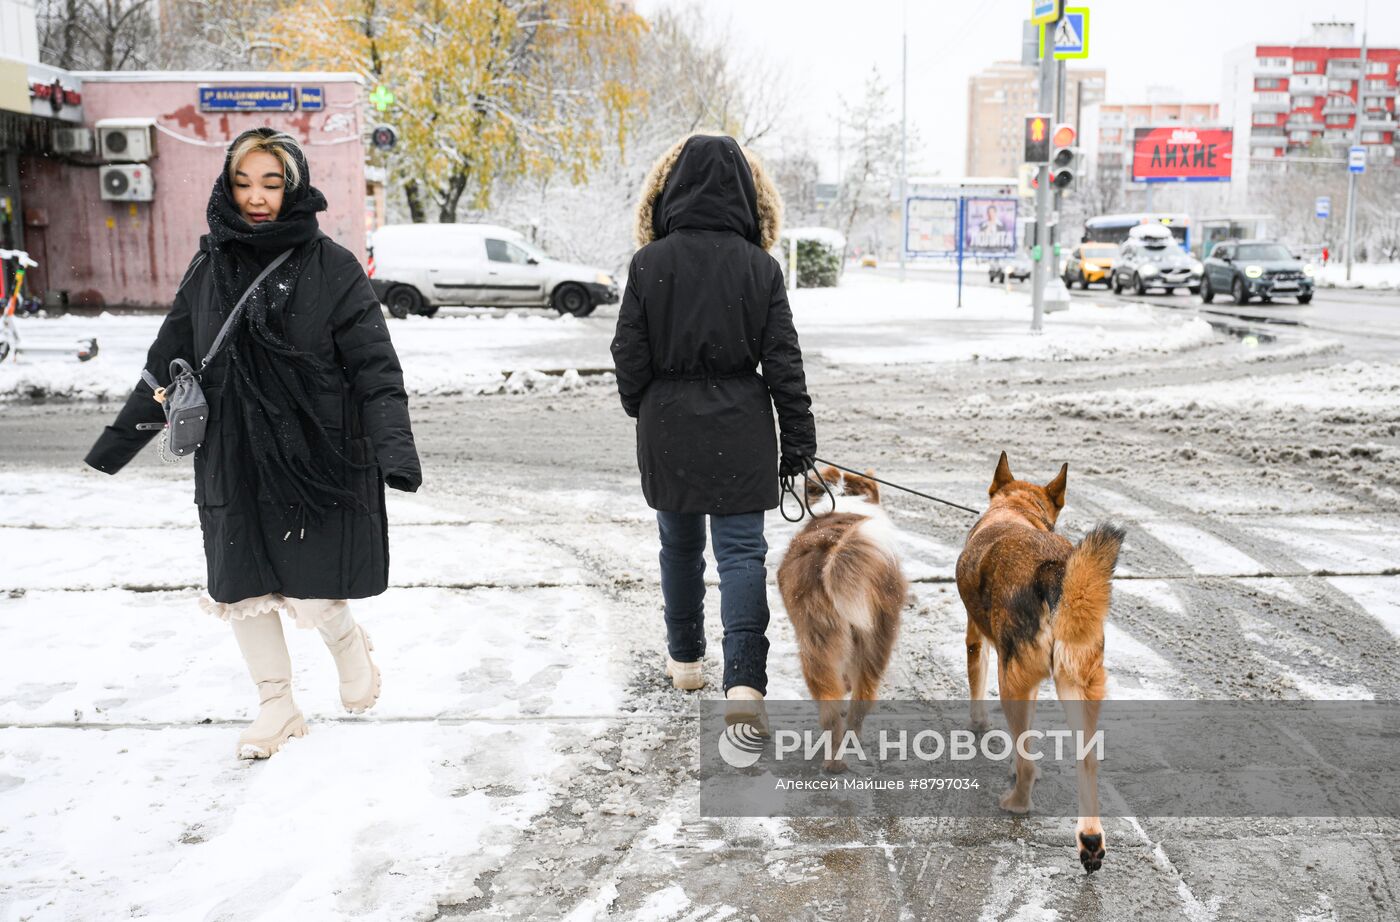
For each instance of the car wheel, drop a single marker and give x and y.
(1304, 299)
(1138, 287)
(1240, 292)
(1207, 292)
(572, 299)
(429, 310)
(1117, 284)
(403, 300)
(1194, 289)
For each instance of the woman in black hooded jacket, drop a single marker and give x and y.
(308, 420)
(705, 306)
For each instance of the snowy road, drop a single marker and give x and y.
(528, 760)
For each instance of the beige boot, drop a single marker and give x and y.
(265, 651)
(744, 705)
(350, 645)
(686, 676)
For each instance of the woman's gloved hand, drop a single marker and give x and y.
(793, 465)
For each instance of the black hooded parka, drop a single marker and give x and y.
(253, 543)
(704, 307)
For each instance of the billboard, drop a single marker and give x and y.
(931, 226)
(1177, 153)
(990, 228)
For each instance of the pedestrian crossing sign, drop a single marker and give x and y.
(1071, 34)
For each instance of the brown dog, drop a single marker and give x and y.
(1041, 602)
(843, 587)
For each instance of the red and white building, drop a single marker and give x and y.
(1287, 100)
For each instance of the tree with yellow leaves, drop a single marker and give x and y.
(485, 91)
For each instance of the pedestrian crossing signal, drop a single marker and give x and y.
(1037, 139)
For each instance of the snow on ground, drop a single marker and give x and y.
(1352, 387)
(1363, 275)
(876, 320)
(864, 321)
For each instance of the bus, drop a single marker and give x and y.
(1113, 228)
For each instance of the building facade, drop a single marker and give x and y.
(1300, 99)
(105, 176)
(1107, 135)
(998, 100)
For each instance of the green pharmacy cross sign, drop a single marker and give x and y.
(382, 98)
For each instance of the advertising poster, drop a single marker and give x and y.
(1180, 154)
(932, 227)
(991, 227)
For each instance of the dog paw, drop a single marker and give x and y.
(834, 766)
(1091, 851)
(1011, 802)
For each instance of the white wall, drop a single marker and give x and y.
(19, 31)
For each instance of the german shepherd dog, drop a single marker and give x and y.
(843, 588)
(1041, 602)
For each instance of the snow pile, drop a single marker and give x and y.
(874, 320)
(1369, 387)
(1363, 275)
(441, 356)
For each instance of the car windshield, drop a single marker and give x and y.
(1100, 252)
(1263, 251)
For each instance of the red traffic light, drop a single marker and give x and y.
(1064, 135)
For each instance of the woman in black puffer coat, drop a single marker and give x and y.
(308, 421)
(704, 307)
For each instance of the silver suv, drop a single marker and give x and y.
(1151, 258)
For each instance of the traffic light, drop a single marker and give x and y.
(1062, 159)
(1037, 139)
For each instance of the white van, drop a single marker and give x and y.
(419, 267)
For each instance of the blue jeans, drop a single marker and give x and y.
(740, 550)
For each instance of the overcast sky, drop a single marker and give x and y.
(827, 48)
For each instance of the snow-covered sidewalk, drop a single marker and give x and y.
(867, 320)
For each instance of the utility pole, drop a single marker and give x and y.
(1042, 185)
(1356, 140)
(904, 142)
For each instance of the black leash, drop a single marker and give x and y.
(895, 486)
(787, 482)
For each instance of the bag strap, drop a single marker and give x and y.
(238, 309)
(150, 379)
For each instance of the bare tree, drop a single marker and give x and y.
(867, 187)
(97, 34)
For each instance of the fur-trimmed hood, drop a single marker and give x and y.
(709, 182)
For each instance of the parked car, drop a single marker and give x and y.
(1256, 268)
(420, 267)
(1017, 269)
(1152, 258)
(1090, 262)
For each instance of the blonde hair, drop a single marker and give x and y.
(279, 145)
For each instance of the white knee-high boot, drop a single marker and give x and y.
(265, 651)
(349, 643)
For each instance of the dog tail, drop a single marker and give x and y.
(855, 569)
(1087, 585)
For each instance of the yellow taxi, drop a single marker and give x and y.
(1090, 262)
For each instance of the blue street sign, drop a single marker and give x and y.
(1324, 206)
(1356, 159)
(262, 98)
(1043, 11)
(313, 98)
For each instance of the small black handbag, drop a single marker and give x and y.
(186, 409)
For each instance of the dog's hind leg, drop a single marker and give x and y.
(1018, 696)
(828, 687)
(1082, 712)
(977, 656)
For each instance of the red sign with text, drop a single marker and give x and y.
(1177, 153)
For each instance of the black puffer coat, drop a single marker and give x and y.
(703, 308)
(253, 545)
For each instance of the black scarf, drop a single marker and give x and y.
(270, 381)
